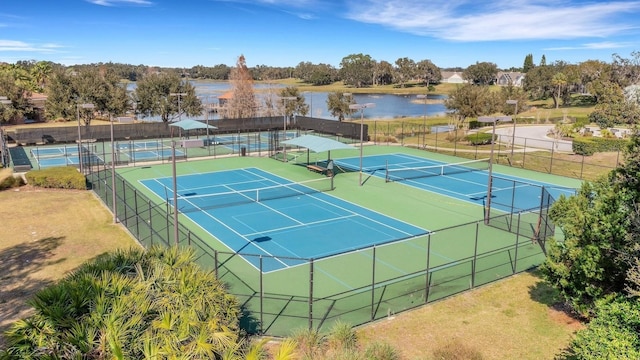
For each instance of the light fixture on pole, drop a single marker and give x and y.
(513, 135)
(424, 122)
(361, 107)
(78, 107)
(284, 147)
(493, 120)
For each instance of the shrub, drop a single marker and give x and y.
(479, 138)
(63, 177)
(10, 181)
(590, 145)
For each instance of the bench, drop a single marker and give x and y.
(318, 168)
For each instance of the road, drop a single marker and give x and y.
(533, 136)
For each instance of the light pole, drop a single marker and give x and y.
(424, 123)
(361, 107)
(83, 106)
(493, 120)
(176, 234)
(513, 135)
(284, 116)
(113, 174)
(179, 95)
(5, 156)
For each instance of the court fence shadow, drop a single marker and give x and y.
(357, 287)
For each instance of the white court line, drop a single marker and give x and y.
(302, 224)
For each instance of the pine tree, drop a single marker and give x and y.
(528, 63)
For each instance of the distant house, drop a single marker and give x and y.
(507, 78)
(452, 77)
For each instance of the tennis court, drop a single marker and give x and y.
(253, 211)
(144, 151)
(64, 156)
(468, 180)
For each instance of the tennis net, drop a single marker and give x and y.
(233, 198)
(436, 170)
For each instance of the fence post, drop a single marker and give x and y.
(311, 294)
(261, 297)
(524, 152)
(475, 257)
(515, 260)
(373, 284)
(428, 274)
(551, 160)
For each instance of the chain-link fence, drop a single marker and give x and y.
(355, 287)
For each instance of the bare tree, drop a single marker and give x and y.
(243, 102)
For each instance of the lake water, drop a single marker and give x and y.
(387, 106)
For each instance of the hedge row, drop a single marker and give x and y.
(63, 177)
(590, 145)
(479, 138)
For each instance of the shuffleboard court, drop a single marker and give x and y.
(256, 212)
(468, 181)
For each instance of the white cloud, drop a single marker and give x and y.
(121, 2)
(21, 46)
(469, 20)
(592, 46)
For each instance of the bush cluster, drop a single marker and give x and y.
(10, 182)
(479, 138)
(590, 145)
(63, 177)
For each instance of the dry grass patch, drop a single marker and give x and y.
(510, 319)
(47, 234)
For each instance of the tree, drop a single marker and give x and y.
(338, 105)
(156, 95)
(559, 82)
(294, 107)
(60, 94)
(383, 73)
(538, 82)
(11, 88)
(543, 60)
(528, 63)
(357, 70)
(626, 72)
(405, 70)
(428, 72)
(601, 236)
(471, 101)
(482, 73)
(243, 103)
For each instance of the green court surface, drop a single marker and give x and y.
(459, 253)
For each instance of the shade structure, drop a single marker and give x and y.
(191, 125)
(318, 144)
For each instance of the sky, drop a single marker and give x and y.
(282, 33)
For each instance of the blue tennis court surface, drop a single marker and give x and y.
(466, 181)
(297, 224)
(144, 150)
(64, 156)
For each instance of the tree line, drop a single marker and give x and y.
(607, 85)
